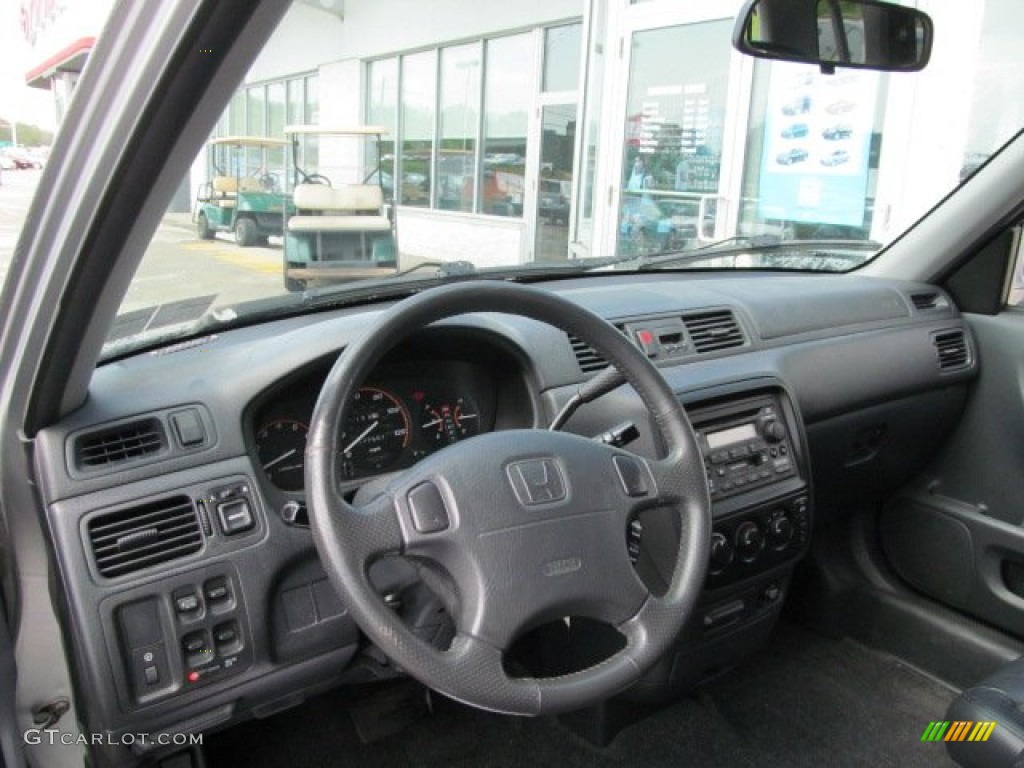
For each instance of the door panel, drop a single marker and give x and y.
(959, 537)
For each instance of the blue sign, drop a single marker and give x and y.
(817, 139)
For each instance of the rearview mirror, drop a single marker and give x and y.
(862, 34)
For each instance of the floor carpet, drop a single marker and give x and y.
(803, 701)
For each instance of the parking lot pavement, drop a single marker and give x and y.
(176, 264)
(16, 188)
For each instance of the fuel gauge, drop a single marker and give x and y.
(444, 423)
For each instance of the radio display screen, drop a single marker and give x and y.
(730, 436)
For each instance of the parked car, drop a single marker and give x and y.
(20, 159)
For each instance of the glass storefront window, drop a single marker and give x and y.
(275, 123)
(382, 109)
(256, 125)
(508, 93)
(419, 77)
(460, 112)
(562, 57)
(673, 137)
(236, 114)
(310, 145)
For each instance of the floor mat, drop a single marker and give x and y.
(804, 701)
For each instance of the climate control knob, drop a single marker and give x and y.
(749, 540)
(773, 431)
(780, 531)
(721, 553)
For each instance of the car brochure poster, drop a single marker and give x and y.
(817, 140)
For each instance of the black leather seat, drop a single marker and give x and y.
(999, 699)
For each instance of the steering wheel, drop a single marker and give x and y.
(316, 178)
(528, 526)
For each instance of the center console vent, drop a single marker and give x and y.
(713, 331)
(117, 445)
(128, 540)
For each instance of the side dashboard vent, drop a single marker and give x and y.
(120, 444)
(952, 349)
(590, 359)
(714, 331)
(129, 540)
(928, 300)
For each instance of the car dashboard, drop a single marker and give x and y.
(191, 592)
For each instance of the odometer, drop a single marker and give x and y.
(376, 432)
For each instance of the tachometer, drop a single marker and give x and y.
(281, 447)
(376, 432)
(444, 423)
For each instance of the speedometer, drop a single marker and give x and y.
(376, 432)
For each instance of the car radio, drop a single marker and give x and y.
(745, 444)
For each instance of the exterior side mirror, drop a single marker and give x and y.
(860, 34)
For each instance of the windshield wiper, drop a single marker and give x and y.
(772, 245)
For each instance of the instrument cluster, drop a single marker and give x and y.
(402, 414)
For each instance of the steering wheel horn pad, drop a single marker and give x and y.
(530, 525)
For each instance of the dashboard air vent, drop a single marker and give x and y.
(713, 331)
(952, 349)
(928, 300)
(588, 357)
(120, 444)
(129, 540)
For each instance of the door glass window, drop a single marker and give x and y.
(555, 182)
(562, 57)
(673, 141)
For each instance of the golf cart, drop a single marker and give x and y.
(343, 225)
(240, 195)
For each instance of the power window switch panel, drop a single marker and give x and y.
(235, 516)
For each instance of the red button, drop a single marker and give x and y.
(645, 337)
(193, 676)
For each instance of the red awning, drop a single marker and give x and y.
(71, 59)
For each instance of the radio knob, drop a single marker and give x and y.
(749, 540)
(721, 553)
(780, 531)
(773, 431)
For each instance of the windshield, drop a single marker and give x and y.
(360, 156)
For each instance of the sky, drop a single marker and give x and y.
(17, 100)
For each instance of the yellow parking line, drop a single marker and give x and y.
(247, 261)
(200, 246)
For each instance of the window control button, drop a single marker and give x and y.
(152, 675)
(187, 603)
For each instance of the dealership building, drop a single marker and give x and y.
(554, 129)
